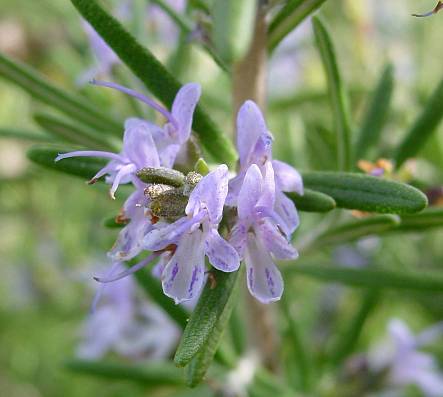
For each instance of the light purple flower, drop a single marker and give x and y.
(195, 236)
(139, 150)
(144, 143)
(407, 365)
(254, 145)
(126, 326)
(257, 236)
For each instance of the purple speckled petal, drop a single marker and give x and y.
(183, 276)
(285, 208)
(138, 144)
(157, 270)
(238, 238)
(288, 178)
(210, 193)
(249, 193)
(220, 253)
(183, 109)
(250, 126)
(275, 241)
(163, 235)
(264, 280)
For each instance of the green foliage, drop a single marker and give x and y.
(348, 338)
(312, 201)
(153, 75)
(74, 132)
(237, 18)
(376, 114)
(84, 167)
(422, 129)
(358, 228)
(74, 106)
(428, 282)
(337, 94)
(289, 17)
(24, 135)
(366, 193)
(207, 323)
(151, 374)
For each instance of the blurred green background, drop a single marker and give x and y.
(52, 237)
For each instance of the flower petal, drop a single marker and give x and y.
(250, 126)
(288, 178)
(267, 197)
(166, 234)
(275, 241)
(238, 238)
(210, 193)
(285, 208)
(249, 193)
(183, 109)
(138, 144)
(183, 276)
(220, 253)
(130, 238)
(234, 187)
(264, 279)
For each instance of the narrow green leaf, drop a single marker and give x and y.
(430, 218)
(337, 94)
(372, 278)
(358, 228)
(349, 338)
(187, 27)
(366, 193)
(266, 384)
(290, 16)
(425, 125)
(85, 167)
(153, 75)
(25, 135)
(233, 27)
(76, 107)
(153, 289)
(237, 330)
(150, 374)
(73, 132)
(376, 114)
(312, 201)
(299, 347)
(209, 319)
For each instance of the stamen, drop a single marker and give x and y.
(129, 271)
(140, 97)
(89, 153)
(127, 169)
(100, 290)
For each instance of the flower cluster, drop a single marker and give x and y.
(125, 325)
(405, 364)
(180, 219)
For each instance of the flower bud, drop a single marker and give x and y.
(161, 175)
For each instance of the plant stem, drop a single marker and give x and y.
(249, 75)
